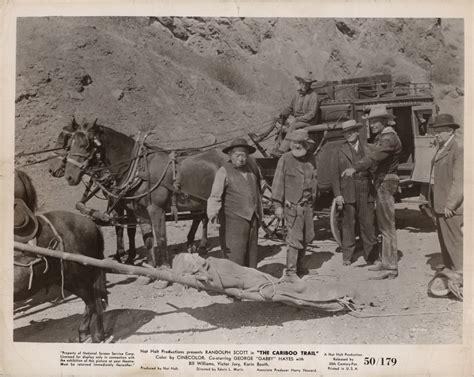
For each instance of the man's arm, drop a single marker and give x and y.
(214, 203)
(335, 174)
(278, 184)
(312, 109)
(288, 111)
(387, 145)
(456, 194)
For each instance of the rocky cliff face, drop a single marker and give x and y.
(184, 78)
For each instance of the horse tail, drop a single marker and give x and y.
(99, 288)
(31, 197)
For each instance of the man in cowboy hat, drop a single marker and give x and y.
(235, 202)
(383, 161)
(448, 197)
(303, 107)
(293, 194)
(354, 195)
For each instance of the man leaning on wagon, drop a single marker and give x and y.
(235, 202)
(383, 160)
(293, 194)
(354, 195)
(448, 197)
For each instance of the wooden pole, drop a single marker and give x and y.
(159, 274)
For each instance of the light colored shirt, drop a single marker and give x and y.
(214, 203)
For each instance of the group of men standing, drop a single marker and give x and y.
(364, 180)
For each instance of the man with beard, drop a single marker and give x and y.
(293, 194)
(354, 195)
(383, 160)
(235, 202)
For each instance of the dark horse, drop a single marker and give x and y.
(93, 146)
(57, 168)
(79, 235)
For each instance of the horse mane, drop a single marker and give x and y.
(31, 196)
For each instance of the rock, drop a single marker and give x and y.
(74, 95)
(118, 94)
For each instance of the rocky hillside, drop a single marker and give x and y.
(184, 78)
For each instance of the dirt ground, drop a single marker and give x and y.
(400, 310)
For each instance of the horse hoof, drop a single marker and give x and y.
(192, 249)
(202, 251)
(130, 261)
(118, 259)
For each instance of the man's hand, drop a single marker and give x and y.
(339, 202)
(279, 213)
(448, 212)
(214, 219)
(349, 172)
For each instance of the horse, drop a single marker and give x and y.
(78, 235)
(94, 146)
(57, 168)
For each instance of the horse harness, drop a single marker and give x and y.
(55, 243)
(139, 165)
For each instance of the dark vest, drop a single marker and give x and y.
(241, 195)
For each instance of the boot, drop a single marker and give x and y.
(291, 263)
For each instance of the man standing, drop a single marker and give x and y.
(354, 195)
(294, 188)
(303, 107)
(447, 169)
(383, 160)
(235, 202)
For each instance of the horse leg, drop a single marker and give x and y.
(99, 303)
(131, 232)
(190, 248)
(84, 326)
(159, 256)
(119, 211)
(202, 250)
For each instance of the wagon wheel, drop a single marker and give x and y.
(271, 225)
(335, 222)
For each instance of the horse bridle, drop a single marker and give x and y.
(87, 157)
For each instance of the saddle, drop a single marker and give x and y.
(220, 274)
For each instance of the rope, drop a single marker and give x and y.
(36, 162)
(30, 266)
(22, 154)
(53, 244)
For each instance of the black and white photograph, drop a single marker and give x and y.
(190, 180)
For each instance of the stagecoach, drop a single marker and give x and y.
(414, 108)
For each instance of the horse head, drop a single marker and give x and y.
(58, 164)
(84, 146)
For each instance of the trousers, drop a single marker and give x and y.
(239, 239)
(363, 211)
(450, 237)
(385, 212)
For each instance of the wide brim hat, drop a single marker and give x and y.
(306, 77)
(239, 142)
(380, 111)
(444, 120)
(351, 125)
(25, 223)
(299, 136)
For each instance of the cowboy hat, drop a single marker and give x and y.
(239, 142)
(299, 136)
(25, 222)
(306, 77)
(350, 125)
(379, 111)
(444, 120)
